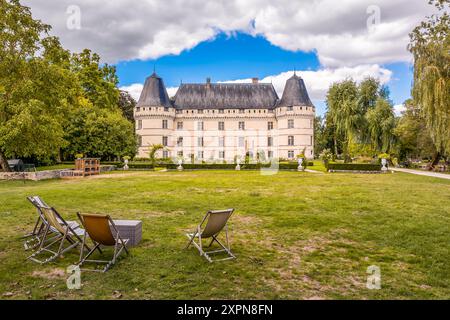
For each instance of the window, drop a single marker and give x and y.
(140, 141)
(290, 123)
(241, 142)
(180, 153)
(165, 154)
(164, 124)
(310, 123)
(180, 141)
(241, 110)
(270, 154)
(221, 125)
(241, 125)
(166, 109)
(310, 140)
(200, 111)
(291, 154)
(200, 154)
(221, 111)
(221, 141)
(139, 124)
(200, 125)
(269, 141)
(200, 141)
(289, 108)
(221, 154)
(165, 141)
(270, 125)
(180, 125)
(138, 109)
(290, 140)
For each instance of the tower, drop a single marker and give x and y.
(295, 116)
(154, 115)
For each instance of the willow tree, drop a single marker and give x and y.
(343, 113)
(430, 46)
(380, 125)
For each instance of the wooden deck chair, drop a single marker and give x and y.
(57, 232)
(216, 221)
(33, 239)
(98, 228)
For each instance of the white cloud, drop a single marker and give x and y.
(399, 109)
(135, 90)
(317, 82)
(126, 29)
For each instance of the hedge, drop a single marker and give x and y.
(354, 166)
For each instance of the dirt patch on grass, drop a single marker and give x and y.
(50, 274)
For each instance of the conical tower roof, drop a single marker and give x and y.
(295, 93)
(154, 93)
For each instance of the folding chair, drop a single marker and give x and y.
(216, 221)
(56, 232)
(34, 237)
(98, 228)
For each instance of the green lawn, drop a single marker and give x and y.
(296, 235)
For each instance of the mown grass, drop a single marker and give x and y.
(296, 236)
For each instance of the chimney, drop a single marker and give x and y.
(208, 82)
(255, 80)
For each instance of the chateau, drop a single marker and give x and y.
(222, 121)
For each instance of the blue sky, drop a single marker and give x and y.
(190, 40)
(242, 56)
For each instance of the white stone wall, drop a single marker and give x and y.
(149, 126)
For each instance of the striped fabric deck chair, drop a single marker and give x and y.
(33, 239)
(103, 232)
(57, 238)
(215, 221)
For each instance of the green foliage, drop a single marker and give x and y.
(153, 149)
(430, 43)
(45, 91)
(413, 138)
(380, 124)
(353, 166)
(127, 105)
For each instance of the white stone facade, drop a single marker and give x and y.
(211, 134)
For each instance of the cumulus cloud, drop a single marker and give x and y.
(399, 109)
(338, 32)
(317, 82)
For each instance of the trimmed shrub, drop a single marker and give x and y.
(354, 166)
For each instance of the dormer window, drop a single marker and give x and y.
(221, 111)
(241, 110)
(200, 111)
(290, 108)
(166, 109)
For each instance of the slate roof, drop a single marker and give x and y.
(295, 93)
(154, 93)
(226, 95)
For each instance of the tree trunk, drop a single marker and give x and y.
(335, 145)
(3, 162)
(434, 161)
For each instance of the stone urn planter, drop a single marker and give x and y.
(180, 165)
(384, 165)
(238, 166)
(300, 164)
(125, 167)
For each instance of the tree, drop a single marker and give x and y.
(153, 149)
(99, 133)
(35, 87)
(414, 140)
(323, 135)
(430, 43)
(381, 124)
(127, 105)
(343, 113)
